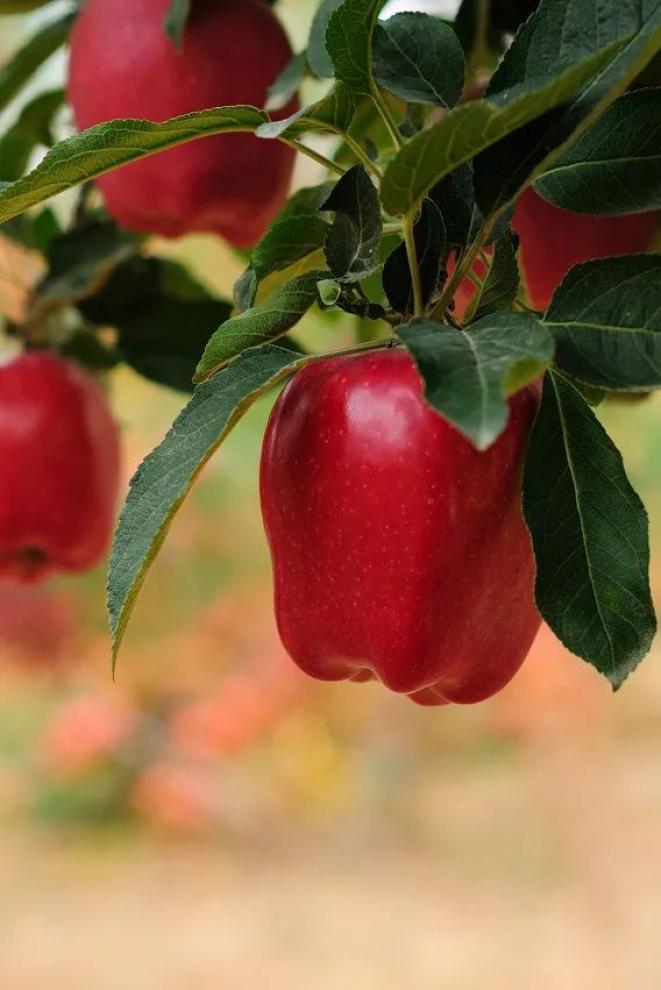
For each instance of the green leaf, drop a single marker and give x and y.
(163, 316)
(352, 241)
(469, 374)
(107, 146)
(502, 282)
(349, 42)
(285, 242)
(332, 113)
(163, 342)
(25, 62)
(260, 324)
(31, 129)
(20, 6)
(561, 33)
(287, 84)
(305, 201)
(318, 58)
(505, 17)
(419, 59)
(245, 290)
(606, 320)
(615, 167)
(429, 237)
(80, 263)
(472, 127)
(329, 291)
(589, 531)
(176, 19)
(583, 26)
(165, 477)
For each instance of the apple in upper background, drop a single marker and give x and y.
(399, 550)
(554, 240)
(59, 468)
(124, 65)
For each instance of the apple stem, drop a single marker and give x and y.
(362, 156)
(387, 117)
(412, 255)
(315, 156)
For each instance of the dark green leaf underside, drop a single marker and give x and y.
(606, 319)
(589, 531)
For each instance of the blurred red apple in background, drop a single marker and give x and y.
(554, 240)
(59, 466)
(124, 65)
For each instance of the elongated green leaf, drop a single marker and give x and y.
(80, 263)
(32, 129)
(318, 58)
(583, 26)
(107, 146)
(285, 242)
(469, 374)
(562, 32)
(305, 201)
(502, 282)
(16, 72)
(429, 238)
(352, 241)
(472, 127)
(419, 59)
(163, 318)
(260, 324)
(349, 42)
(332, 113)
(165, 477)
(615, 167)
(606, 320)
(20, 6)
(589, 531)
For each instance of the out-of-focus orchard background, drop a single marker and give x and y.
(215, 819)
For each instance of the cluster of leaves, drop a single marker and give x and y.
(422, 183)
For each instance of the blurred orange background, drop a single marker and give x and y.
(216, 819)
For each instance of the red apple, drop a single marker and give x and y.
(554, 240)
(399, 550)
(59, 467)
(124, 65)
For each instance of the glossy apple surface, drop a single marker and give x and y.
(59, 468)
(399, 551)
(554, 240)
(124, 65)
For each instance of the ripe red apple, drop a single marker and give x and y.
(554, 240)
(124, 65)
(59, 466)
(399, 550)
